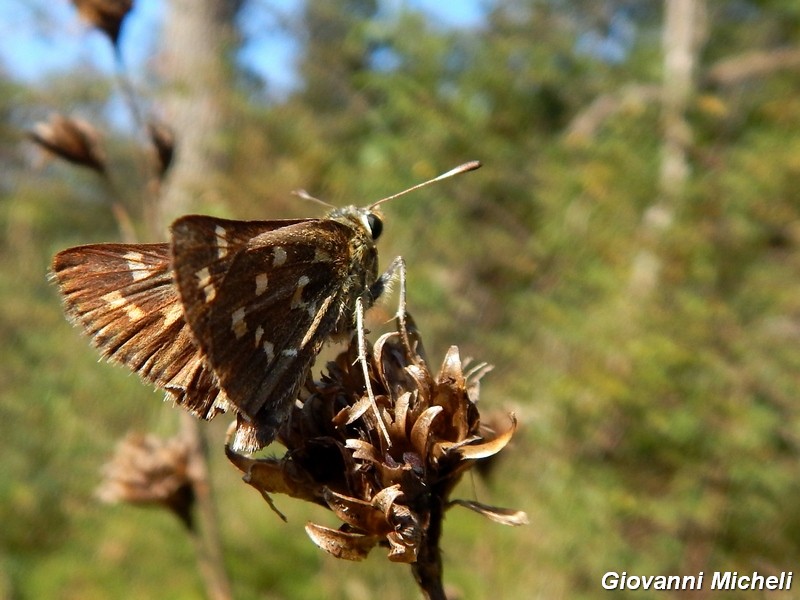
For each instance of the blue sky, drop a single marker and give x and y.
(45, 36)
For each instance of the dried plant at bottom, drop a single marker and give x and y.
(388, 494)
(148, 470)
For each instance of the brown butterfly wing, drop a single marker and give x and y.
(261, 299)
(124, 297)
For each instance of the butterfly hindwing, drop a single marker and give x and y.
(124, 296)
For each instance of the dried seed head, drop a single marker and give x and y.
(74, 140)
(389, 494)
(163, 139)
(105, 15)
(148, 470)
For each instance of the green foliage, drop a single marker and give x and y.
(660, 432)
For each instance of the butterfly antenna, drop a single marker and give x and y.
(469, 166)
(306, 196)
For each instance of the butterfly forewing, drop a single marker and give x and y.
(125, 298)
(261, 300)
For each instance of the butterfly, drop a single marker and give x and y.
(230, 315)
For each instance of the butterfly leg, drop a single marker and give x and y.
(397, 269)
(362, 358)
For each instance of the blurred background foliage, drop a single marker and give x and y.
(644, 327)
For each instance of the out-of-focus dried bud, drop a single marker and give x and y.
(106, 15)
(148, 470)
(163, 138)
(389, 494)
(74, 140)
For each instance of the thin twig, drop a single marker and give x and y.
(206, 536)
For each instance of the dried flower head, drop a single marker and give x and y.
(106, 15)
(163, 139)
(74, 140)
(389, 494)
(148, 470)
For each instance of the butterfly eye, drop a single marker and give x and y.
(375, 226)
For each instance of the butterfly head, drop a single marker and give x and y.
(369, 219)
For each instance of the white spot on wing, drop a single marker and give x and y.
(297, 298)
(136, 266)
(117, 301)
(204, 281)
(222, 241)
(269, 350)
(238, 326)
(172, 314)
(203, 276)
(278, 256)
(321, 256)
(289, 352)
(114, 299)
(134, 312)
(261, 283)
(259, 335)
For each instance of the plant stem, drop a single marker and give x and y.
(206, 536)
(428, 568)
